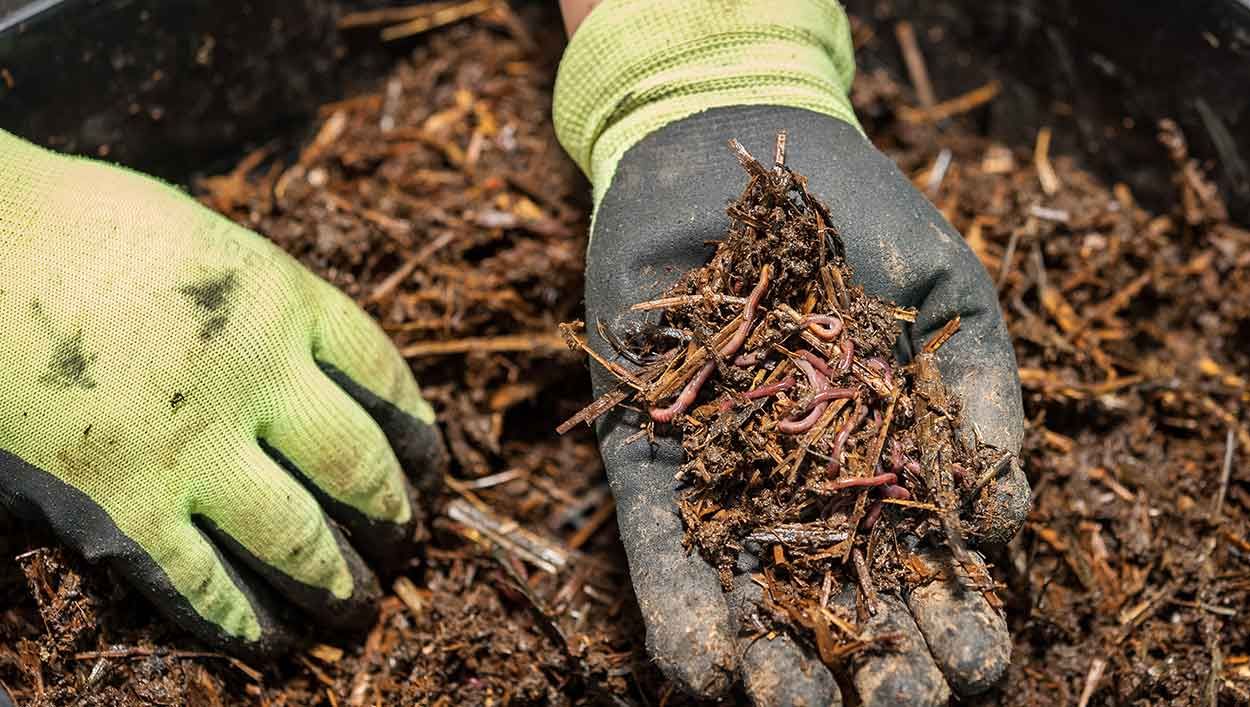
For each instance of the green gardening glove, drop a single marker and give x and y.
(649, 92)
(182, 399)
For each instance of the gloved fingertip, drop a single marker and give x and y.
(967, 637)
(900, 671)
(693, 645)
(777, 673)
(1001, 508)
(417, 445)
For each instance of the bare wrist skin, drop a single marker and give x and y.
(574, 12)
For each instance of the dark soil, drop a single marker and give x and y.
(443, 204)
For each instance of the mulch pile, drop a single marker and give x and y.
(442, 202)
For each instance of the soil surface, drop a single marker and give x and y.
(442, 203)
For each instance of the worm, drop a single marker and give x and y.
(874, 513)
(820, 364)
(747, 360)
(958, 471)
(687, 395)
(763, 391)
(896, 456)
(848, 351)
(834, 394)
(891, 491)
(691, 390)
(825, 326)
(895, 491)
(748, 314)
(883, 368)
(840, 440)
(819, 384)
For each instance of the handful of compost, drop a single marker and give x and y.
(808, 447)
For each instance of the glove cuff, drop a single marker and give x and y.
(635, 66)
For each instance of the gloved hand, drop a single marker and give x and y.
(648, 93)
(182, 399)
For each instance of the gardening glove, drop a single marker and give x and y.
(648, 93)
(182, 399)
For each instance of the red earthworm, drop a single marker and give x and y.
(840, 440)
(691, 390)
(761, 392)
(748, 315)
(896, 456)
(883, 368)
(891, 491)
(824, 326)
(958, 471)
(873, 514)
(820, 364)
(687, 395)
(886, 479)
(771, 389)
(819, 384)
(834, 394)
(848, 353)
(747, 360)
(895, 491)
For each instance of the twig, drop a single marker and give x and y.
(1096, 669)
(938, 172)
(948, 330)
(1041, 160)
(914, 60)
(510, 536)
(410, 596)
(865, 580)
(749, 163)
(626, 376)
(994, 470)
(601, 516)
(593, 411)
(388, 15)
(1230, 446)
(395, 279)
(489, 344)
(683, 300)
(438, 18)
(779, 153)
(952, 107)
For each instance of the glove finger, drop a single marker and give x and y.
(327, 441)
(688, 629)
(967, 637)
(978, 365)
(182, 574)
(903, 673)
(276, 528)
(357, 355)
(904, 250)
(777, 671)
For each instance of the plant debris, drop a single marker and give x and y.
(1131, 322)
(807, 445)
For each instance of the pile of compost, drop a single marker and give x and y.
(807, 445)
(440, 200)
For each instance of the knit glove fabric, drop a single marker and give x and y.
(182, 399)
(648, 94)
